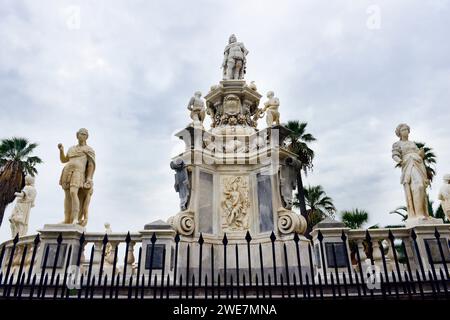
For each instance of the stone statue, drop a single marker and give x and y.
(76, 179)
(271, 108)
(109, 253)
(236, 203)
(197, 107)
(414, 175)
(21, 212)
(288, 180)
(182, 185)
(234, 60)
(444, 195)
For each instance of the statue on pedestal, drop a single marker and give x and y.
(21, 212)
(234, 59)
(197, 107)
(182, 185)
(76, 179)
(414, 175)
(444, 195)
(271, 108)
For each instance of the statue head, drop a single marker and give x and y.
(270, 94)
(446, 178)
(29, 180)
(232, 39)
(82, 135)
(402, 130)
(197, 94)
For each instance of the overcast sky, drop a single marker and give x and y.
(126, 70)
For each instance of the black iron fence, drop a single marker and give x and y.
(64, 272)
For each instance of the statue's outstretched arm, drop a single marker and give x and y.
(64, 158)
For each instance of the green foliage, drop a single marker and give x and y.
(354, 219)
(319, 205)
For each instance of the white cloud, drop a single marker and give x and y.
(128, 71)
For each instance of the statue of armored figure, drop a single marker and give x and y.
(234, 59)
(271, 108)
(197, 107)
(76, 179)
(414, 176)
(21, 212)
(444, 196)
(182, 185)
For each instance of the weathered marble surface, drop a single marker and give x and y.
(234, 60)
(76, 179)
(264, 187)
(271, 108)
(182, 184)
(21, 213)
(444, 195)
(196, 106)
(413, 178)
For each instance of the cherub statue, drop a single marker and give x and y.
(197, 107)
(21, 212)
(76, 179)
(444, 195)
(234, 59)
(271, 108)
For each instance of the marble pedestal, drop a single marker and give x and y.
(427, 245)
(331, 253)
(70, 244)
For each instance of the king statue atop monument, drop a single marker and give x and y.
(234, 60)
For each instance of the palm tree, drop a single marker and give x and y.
(354, 219)
(401, 211)
(319, 205)
(15, 162)
(297, 142)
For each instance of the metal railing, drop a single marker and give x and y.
(65, 273)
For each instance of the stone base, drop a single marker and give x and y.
(63, 227)
(413, 222)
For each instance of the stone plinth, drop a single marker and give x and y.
(165, 243)
(70, 236)
(328, 245)
(428, 247)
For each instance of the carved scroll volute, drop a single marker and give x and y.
(183, 223)
(290, 222)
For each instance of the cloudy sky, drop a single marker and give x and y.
(126, 69)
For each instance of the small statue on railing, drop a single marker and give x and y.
(197, 108)
(444, 196)
(271, 108)
(109, 254)
(21, 212)
(76, 179)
